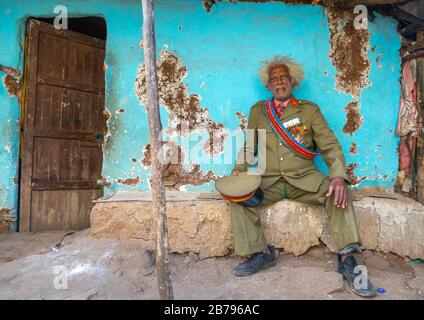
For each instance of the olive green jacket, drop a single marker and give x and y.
(281, 162)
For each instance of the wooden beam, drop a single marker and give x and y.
(158, 189)
(353, 3)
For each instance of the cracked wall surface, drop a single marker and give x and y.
(184, 108)
(243, 120)
(353, 149)
(353, 118)
(175, 173)
(349, 54)
(12, 86)
(348, 51)
(210, 73)
(185, 116)
(351, 174)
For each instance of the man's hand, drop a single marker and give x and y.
(234, 172)
(338, 186)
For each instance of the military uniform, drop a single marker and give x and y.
(288, 176)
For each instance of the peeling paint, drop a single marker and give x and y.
(243, 120)
(106, 116)
(12, 81)
(208, 4)
(351, 175)
(175, 174)
(130, 181)
(353, 148)
(353, 118)
(8, 147)
(184, 108)
(223, 70)
(106, 182)
(12, 86)
(348, 51)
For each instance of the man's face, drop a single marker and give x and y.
(280, 82)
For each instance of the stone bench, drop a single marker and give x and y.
(199, 222)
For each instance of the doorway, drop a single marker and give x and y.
(63, 124)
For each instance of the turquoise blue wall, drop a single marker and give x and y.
(223, 50)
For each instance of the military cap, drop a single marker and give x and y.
(243, 189)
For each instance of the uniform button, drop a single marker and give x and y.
(282, 173)
(280, 144)
(281, 158)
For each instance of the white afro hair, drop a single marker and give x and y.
(295, 69)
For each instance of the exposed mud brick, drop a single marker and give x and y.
(243, 120)
(12, 86)
(175, 173)
(185, 112)
(351, 175)
(348, 51)
(130, 181)
(353, 149)
(353, 118)
(203, 227)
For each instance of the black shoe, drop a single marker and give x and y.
(347, 269)
(258, 261)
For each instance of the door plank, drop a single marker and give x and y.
(61, 159)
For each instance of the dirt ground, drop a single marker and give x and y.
(56, 265)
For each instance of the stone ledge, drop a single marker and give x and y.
(203, 226)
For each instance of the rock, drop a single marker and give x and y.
(293, 226)
(203, 226)
(368, 225)
(199, 226)
(401, 227)
(389, 225)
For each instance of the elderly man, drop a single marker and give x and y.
(295, 130)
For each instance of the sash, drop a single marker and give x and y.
(284, 135)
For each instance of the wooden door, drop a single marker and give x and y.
(63, 129)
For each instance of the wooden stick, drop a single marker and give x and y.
(158, 190)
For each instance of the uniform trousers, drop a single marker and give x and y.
(246, 224)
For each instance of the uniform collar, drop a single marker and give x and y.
(293, 107)
(285, 103)
(294, 102)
